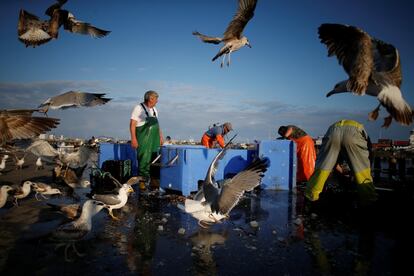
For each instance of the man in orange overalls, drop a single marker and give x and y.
(215, 134)
(305, 151)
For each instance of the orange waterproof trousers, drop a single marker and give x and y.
(208, 141)
(306, 157)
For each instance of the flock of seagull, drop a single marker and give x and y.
(373, 68)
(92, 199)
(20, 124)
(33, 31)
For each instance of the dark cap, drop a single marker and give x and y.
(282, 130)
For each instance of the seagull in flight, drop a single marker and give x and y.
(73, 99)
(33, 31)
(218, 203)
(233, 38)
(373, 67)
(19, 124)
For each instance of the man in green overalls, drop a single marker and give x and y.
(349, 138)
(146, 134)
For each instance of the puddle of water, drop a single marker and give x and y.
(288, 239)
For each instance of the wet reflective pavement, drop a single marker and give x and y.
(269, 233)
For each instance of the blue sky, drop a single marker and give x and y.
(282, 79)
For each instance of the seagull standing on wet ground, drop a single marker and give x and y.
(39, 164)
(44, 189)
(19, 162)
(22, 191)
(233, 38)
(68, 234)
(218, 203)
(34, 32)
(4, 193)
(3, 163)
(373, 67)
(116, 198)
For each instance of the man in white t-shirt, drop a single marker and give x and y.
(146, 134)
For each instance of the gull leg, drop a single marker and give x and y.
(77, 252)
(373, 115)
(66, 253)
(59, 245)
(66, 170)
(228, 60)
(222, 61)
(42, 195)
(112, 215)
(204, 224)
(212, 217)
(37, 197)
(387, 121)
(15, 202)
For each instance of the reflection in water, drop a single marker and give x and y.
(145, 236)
(330, 242)
(290, 239)
(358, 247)
(252, 208)
(203, 241)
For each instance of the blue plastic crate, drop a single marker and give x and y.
(281, 174)
(192, 164)
(113, 151)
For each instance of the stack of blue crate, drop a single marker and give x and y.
(115, 151)
(281, 174)
(183, 165)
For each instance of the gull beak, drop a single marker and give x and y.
(130, 190)
(330, 93)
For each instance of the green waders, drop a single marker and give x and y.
(148, 136)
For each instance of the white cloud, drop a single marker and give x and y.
(185, 110)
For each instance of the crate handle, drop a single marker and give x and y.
(172, 161)
(156, 159)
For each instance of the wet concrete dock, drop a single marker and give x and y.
(268, 233)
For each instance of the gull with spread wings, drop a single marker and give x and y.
(19, 124)
(33, 31)
(217, 203)
(373, 67)
(73, 99)
(233, 38)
